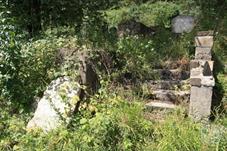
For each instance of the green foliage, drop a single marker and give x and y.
(27, 73)
(106, 121)
(139, 55)
(177, 133)
(223, 84)
(10, 55)
(135, 55)
(157, 14)
(150, 14)
(116, 125)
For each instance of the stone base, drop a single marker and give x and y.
(200, 103)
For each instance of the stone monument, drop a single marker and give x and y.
(201, 77)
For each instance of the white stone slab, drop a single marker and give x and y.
(56, 106)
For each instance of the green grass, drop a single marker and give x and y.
(117, 125)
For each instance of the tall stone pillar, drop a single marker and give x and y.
(201, 77)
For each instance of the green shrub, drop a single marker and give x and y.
(149, 14)
(135, 55)
(27, 73)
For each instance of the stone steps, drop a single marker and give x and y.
(167, 84)
(168, 94)
(171, 96)
(171, 89)
(160, 105)
(172, 74)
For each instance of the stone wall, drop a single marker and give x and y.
(201, 77)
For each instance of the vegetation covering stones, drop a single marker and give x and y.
(32, 33)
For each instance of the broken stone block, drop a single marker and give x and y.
(195, 81)
(181, 24)
(203, 53)
(204, 41)
(200, 102)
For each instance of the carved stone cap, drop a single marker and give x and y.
(206, 33)
(204, 41)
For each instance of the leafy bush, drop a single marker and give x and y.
(149, 14)
(29, 67)
(223, 87)
(10, 55)
(135, 56)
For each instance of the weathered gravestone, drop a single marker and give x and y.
(201, 78)
(56, 105)
(63, 95)
(181, 24)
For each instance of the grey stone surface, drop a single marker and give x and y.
(194, 64)
(205, 33)
(173, 74)
(201, 77)
(181, 24)
(195, 81)
(160, 105)
(195, 72)
(203, 53)
(171, 95)
(200, 102)
(166, 84)
(208, 81)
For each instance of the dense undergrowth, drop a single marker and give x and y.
(114, 118)
(117, 125)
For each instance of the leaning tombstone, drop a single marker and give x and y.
(56, 105)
